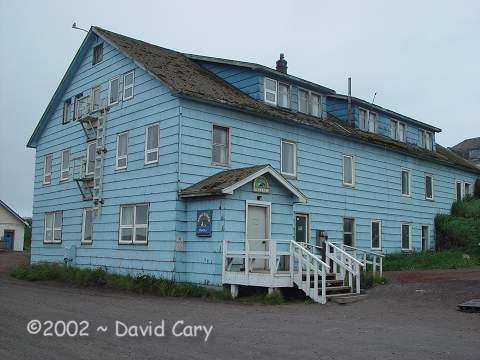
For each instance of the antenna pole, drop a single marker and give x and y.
(349, 114)
(74, 26)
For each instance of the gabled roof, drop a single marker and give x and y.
(226, 182)
(262, 68)
(13, 213)
(396, 115)
(187, 79)
(467, 145)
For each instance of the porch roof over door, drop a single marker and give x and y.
(226, 182)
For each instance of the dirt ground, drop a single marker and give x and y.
(401, 320)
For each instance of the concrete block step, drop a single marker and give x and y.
(346, 298)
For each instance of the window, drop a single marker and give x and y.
(283, 95)
(66, 111)
(303, 101)
(87, 226)
(372, 122)
(421, 138)
(65, 165)
(47, 169)
(91, 153)
(425, 139)
(301, 228)
(405, 182)
(348, 170)
(288, 158)
(122, 151)
(270, 91)
(96, 101)
(406, 241)
(402, 132)
(349, 231)
(53, 227)
(152, 134)
(425, 236)
(376, 234)
(97, 54)
(458, 192)
(429, 187)
(467, 189)
(394, 129)
(113, 91)
(133, 224)
(220, 145)
(362, 119)
(316, 105)
(128, 80)
(77, 106)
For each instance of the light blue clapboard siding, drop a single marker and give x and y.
(155, 184)
(375, 196)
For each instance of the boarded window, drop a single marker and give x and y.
(349, 231)
(288, 158)
(221, 145)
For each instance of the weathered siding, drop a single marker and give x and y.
(377, 191)
(155, 184)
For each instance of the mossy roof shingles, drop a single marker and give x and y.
(186, 78)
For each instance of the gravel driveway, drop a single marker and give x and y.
(397, 321)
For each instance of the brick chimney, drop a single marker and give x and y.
(282, 64)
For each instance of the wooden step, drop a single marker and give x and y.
(328, 283)
(337, 290)
(346, 298)
(312, 277)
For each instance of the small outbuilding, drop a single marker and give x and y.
(12, 228)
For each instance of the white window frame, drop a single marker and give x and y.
(421, 138)
(63, 169)
(229, 144)
(66, 111)
(131, 86)
(134, 226)
(379, 234)
(294, 174)
(433, 196)
(320, 104)
(409, 236)
(429, 140)
(154, 150)
(288, 105)
(110, 90)
(409, 182)
(461, 190)
(352, 184)
(87, 157)
(427, 247)
(83, 241)
(396, 129)
(367, 120)
(404, 138)
(53, 228)
(265, 91)
(117, 156)
(307, 110)
(354, 230)
(465, 188)
(47, 174)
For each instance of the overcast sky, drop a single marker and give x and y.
(421, 57)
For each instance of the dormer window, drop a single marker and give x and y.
(402, 132)
(303, 101)
(367, 120)
(316, 105)
(283, 95)
(270, 91)
(425, 139)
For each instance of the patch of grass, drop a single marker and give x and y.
(368, 280)
(144, 284)
(447, 259)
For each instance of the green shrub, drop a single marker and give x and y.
(469, 207)
(368, 280)
(458, 232)
(447, 259)
(274, 298)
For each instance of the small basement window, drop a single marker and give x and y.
(97, 54)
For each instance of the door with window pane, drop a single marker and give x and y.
(301, 228)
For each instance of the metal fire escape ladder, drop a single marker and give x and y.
(99, 162)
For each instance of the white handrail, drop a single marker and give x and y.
(364, 254)
(300, 244)
(347, 263)
(363, 250)
(344, 253)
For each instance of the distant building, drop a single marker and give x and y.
(469, 149)
(12, 227)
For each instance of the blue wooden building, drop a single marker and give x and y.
(213, 171)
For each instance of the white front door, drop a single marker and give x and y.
(258, 223)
